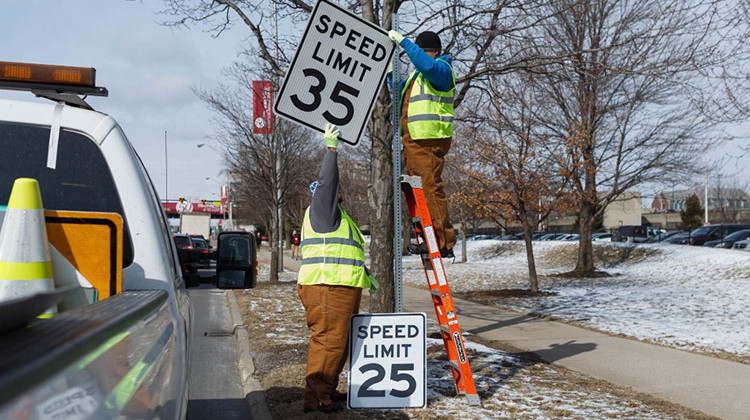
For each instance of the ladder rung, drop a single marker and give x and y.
(445, 329)
(455, 365)
(435, 292)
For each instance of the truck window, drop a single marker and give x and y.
(81, 181)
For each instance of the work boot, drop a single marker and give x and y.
(418, 249)
(338, 396)
(331, 408)
(447, 253)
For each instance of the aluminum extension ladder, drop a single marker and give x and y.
(439, 289)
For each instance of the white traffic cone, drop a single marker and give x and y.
(25, 266)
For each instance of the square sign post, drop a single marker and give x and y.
(387, 361)
(336, 74)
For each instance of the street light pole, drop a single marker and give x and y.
(229, 188)
(166, 170)
(705, 192)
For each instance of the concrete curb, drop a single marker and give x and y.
(254, 393)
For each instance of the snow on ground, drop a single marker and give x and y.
(687, 297)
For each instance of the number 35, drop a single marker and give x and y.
(336, 96)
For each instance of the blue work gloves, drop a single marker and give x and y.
(332, 136)
(395, 36)
(374, 286)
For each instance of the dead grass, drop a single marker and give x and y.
(605, 255)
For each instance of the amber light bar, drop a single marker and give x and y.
(47, 74)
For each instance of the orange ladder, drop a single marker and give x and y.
(439, 289)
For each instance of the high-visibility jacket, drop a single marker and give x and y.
(430, 113)
(336, 258)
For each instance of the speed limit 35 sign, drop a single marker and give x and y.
(387, 356)
(336, 74)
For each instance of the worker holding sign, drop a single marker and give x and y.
(427, 127)
(330, 282)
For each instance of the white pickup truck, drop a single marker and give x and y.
(121, 356)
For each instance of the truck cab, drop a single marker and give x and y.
(125, 355)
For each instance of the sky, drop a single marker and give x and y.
(149, 70)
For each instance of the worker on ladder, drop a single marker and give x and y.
(427, 127)
(330, 282)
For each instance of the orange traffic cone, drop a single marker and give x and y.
(25, 266)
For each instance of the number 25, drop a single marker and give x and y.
(336, 96)
(364, 390)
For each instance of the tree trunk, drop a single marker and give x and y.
(528, 230)
(462, 232)
(585, 263)
(272, 243)
(381, 206)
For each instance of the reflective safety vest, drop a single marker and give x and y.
(430, 113)
(335, 258)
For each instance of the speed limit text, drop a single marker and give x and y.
(380, 350)
(343, 61)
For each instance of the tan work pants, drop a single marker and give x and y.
(328, 310)
(426, 158)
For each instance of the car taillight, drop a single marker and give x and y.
(205, 251)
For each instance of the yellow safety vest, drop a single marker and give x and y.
(430, 114)
(336, 258)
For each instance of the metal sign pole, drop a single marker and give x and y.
(396, 91)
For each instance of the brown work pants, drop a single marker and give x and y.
(328, 310)
(426, 158)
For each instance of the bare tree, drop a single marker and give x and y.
(521, 180)
(252, 157)
(631, 102)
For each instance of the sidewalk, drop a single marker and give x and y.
(713, 386)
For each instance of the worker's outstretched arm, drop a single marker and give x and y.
(324, 213)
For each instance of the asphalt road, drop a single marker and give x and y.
(216, 390)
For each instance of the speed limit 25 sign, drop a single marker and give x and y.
(387, 355)
(336, 74)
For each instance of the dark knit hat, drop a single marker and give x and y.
(428, 41)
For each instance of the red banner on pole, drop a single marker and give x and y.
(224, 194)
(262, 107)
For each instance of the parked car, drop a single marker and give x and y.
(634, 233)
(729, 241)
(713, 232)
(682, 238)
(552, 236)
(482, 237)
(201, 248)
(662, 237)
(601, 236)
(742, 245)
(536, 235)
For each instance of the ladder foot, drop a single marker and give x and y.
(473, 399)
